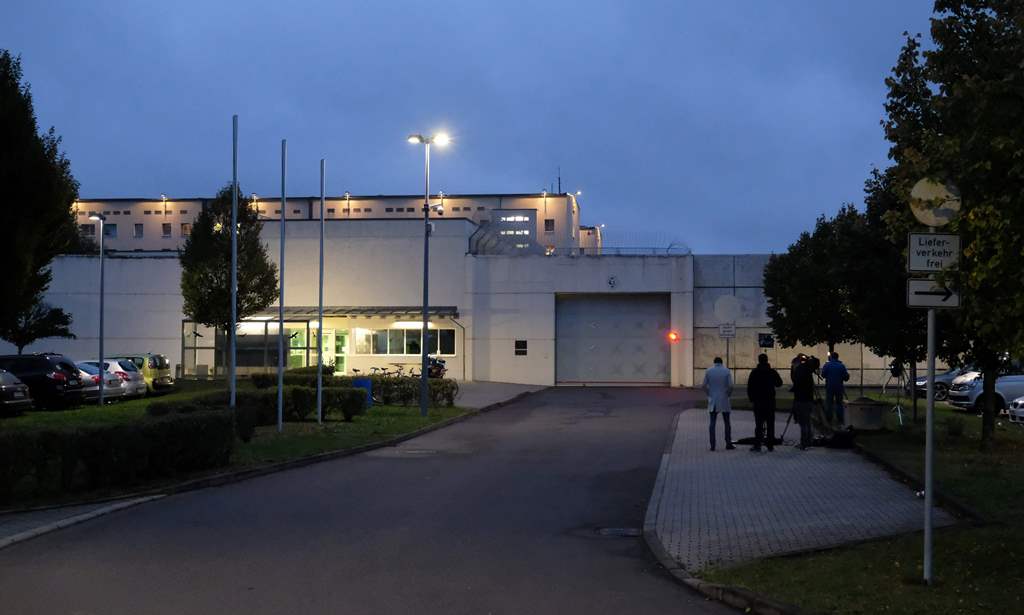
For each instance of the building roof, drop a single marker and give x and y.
(440, 311)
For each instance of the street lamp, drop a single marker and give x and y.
(440, 139)
(103, 372)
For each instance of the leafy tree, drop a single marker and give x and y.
(37, 193)
(956, 113)
(206, 264)
(807, 301)
(38, 322)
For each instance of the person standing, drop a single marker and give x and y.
(803, 398)
(718, 386)
(761, 387)
(835, 374)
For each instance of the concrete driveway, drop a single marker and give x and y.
(498, 514)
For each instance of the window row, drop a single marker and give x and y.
(110, 230)
(403, 341)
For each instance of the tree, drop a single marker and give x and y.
(956, 113)
(206, 264)
(38, 322)
(37, 190)
(807, 301)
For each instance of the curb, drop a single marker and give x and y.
(69, 521)
(736, 597)
(941, 499)
(225, 478)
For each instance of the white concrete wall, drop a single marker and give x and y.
(514, 298)
(143, 307)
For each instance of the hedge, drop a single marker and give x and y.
(97, 456)
(392, 390)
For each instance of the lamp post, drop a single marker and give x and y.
(440, 139)
(103, 372)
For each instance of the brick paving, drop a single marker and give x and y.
(725, 507)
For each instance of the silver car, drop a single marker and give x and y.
(132, 382)
(90, 372)
(1016, 411)
(943, 382)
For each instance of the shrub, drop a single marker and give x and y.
(350, 402)
(442, 392)
(328, 370)
(115, 455)
(264, 381)
(301, 402)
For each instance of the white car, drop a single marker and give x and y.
(1016, 411)
(967, 395)
(130, 380)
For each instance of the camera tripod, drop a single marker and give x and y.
(901, 382)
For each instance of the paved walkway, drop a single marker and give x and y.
(724, 507)
(479, 394)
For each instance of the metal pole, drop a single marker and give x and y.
(320, 306)
(234, 255)
(280, 297)
(929, 447)
(103, 371)
(424, 385)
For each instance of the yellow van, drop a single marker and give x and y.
(155, 368)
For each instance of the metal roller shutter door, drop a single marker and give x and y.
(612, 339)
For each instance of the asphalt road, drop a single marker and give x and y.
(497, 514)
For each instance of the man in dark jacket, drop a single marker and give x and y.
(761, 387)
(835, 375)
(803, 397)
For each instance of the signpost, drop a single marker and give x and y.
(932, 252)
(927, 293)
(934, 204)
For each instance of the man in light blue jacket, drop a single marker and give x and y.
(718, 386)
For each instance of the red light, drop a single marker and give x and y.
(122, 375)
(673, 337)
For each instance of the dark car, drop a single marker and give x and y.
(14, 395)
(52, 379)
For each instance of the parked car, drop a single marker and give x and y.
(14, 394)
(53, 379)
(943, 382)
(155, 368)
(968, 395)
(112, 385)
(1016, 411)
(132, 381)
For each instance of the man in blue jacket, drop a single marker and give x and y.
(835, 374)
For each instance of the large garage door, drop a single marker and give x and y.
(611, 339)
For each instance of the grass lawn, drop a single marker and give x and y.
(267, 446)
(112, 413)
(303, 439)
(977, 569)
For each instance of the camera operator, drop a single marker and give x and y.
(802, 375)
(835, 374)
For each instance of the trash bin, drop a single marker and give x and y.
(367, 385)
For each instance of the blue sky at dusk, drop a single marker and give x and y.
(727, 125)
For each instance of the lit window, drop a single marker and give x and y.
(520, 348)
(549, 225)
(515, 219)
(166, 229)
(186, 229)
(138, 231)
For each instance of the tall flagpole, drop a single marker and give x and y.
(234, 252)
(320, 306)
(280, 298)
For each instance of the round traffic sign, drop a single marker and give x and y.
(934, 203)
